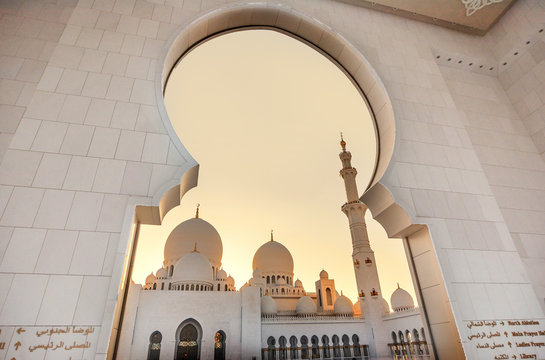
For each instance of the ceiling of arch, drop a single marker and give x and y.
(472, 16)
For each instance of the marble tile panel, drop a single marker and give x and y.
(89, 253)
(56, 253)
(59, 300)
(85, 211)
(23, 250)
(23, 300)
(52, 171)
(81, 173)
(54, 209)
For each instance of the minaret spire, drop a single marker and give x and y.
(363, 256)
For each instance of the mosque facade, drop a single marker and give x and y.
(191, 309)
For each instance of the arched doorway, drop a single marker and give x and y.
(188, 341)
(219, 345)
(154, 349)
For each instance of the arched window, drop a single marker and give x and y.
(325, 346)
(268, 279)
(336, 347)
(416, 337)
(346, 346)
(273, 279)
(162, 286)
(154, 348)
(304, 347)
(401, 337)
(271, 354)
(315, 347)
(171, 270)
(219, 287)
(356, 345)
(283, 291)
(423, 334)
(319, 297)
(408, 335)
(328, 296)
(188, 343)
(394, 337)
(192, 287)
(294, 354)
(282, 351)
(155, 286)
(169, 286)
(225, 287)
(219, 345)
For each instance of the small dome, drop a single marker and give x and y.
(343, 306)
(273, 257)
(268, 306)
(221, 275)
(230, 280)
(256, 274)
(357, 308)
(385, 306)
(182, 240)
(324, 275)
(401, 300)
(305, 306)
(150, 278)
(161, 273)
(193, 267)
(298, 283)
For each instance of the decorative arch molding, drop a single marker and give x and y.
(396, 218)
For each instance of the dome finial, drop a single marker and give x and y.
(272, 239)
(195, 247)
(343, 143)
(197, 212)
(398, 285)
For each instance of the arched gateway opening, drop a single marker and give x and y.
(394, 218)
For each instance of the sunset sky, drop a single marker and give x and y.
(261, 113)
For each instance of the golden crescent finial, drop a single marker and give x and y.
(272, 239)
(195, 247)
(197, 212)
(343, 143)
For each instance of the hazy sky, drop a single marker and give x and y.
(261, 113)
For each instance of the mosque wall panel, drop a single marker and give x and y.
(61, 83)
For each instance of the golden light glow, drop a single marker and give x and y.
(261, 113)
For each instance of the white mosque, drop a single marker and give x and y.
(190, 308)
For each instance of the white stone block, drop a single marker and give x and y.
(24, 136)
(57, 250)
(18, 167)
(77, 140)
(115, 64)
(109, 176)
(93, 60)
(125, 115)
(54, 209)
(111, 252)
(128, 24)
(92, 299)
(149, 120)
(155, 148)
(49, 137)
(96, 85)
(143, 92)
(81, 173)
(89, 254)
(136, 179)
(89, 38)
(71, 82)
(67, 56)
(24, 299)
(100, 112)
(138, 67)
(23, 250)
(45, 106)
(52, 171)
(85, 211)
(22, 207)
(130, 145)
(60, 299)
(133, 45)
(74, 109)
(111, 41)
(120, 88)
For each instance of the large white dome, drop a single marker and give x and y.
(401, 300)
(183, 238)
(305, 306)
(343, 306)
(273, 257)
(193, 267)
(268, 306)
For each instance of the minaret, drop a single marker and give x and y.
(363, 257)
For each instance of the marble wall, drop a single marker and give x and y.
(82, 141)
